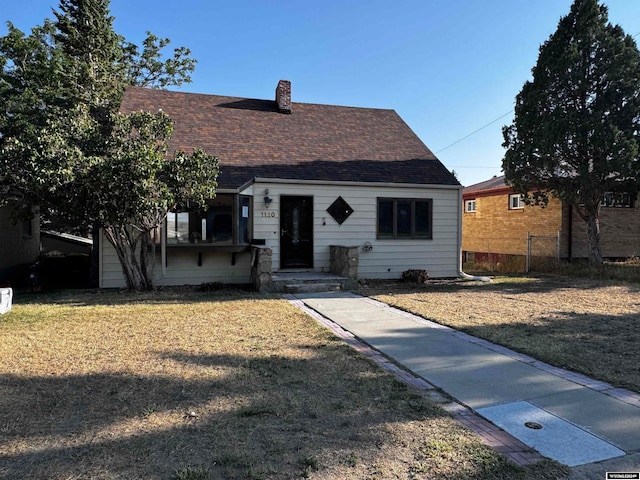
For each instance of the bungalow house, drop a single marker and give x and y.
(19, 247)
(298, 178)
(496, 225)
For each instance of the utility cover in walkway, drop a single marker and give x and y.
(552, 436)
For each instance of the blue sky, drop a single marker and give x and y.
(448, 67)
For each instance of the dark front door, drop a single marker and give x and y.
(296, 232)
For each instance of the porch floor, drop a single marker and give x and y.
(305, 282)
(305, 276)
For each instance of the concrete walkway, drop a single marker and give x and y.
(583, 423)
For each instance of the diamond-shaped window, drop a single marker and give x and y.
(340, 210)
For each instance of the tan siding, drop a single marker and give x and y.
(388, 259)
(182, 268)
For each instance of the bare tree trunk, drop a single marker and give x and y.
(589, 211)
(146, 261)
(114, 238)
(126, 245)
(593, 240)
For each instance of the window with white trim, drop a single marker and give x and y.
(516, 201)
(470, 206)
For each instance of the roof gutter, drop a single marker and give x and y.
(466, 276)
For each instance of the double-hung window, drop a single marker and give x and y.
(470, 206)
(516, 201)
(405, 218)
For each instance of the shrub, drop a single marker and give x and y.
(415, 276)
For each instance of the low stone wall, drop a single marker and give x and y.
(344, 261)
(261, 268)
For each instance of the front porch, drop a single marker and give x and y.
(343, 275)
(308, 282)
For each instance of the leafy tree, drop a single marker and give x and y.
(65, 147)
(130, 191)
(149, 69)
(32, 165)
(576, 126)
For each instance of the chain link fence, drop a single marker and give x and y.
(543, 253)
(513, 254)
(496, 254)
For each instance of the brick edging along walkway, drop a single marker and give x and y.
(621, 394)
(501, 441)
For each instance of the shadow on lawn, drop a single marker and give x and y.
(191, 294)
(601, 346)
(169, 295)
(267, 417)
(515, 285)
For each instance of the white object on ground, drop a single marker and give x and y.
(6, 296)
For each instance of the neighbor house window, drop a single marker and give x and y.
(617, 199)
(470, 206)
(404, 218)
(225, 220)
(516, 201)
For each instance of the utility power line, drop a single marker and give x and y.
(488, 124)
(474, 132)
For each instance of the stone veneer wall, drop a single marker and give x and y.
(261, 268)
(344, 261)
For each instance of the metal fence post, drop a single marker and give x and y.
(528, 263)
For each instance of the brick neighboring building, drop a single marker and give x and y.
(496, 225)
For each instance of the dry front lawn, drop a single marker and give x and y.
(589, 326)
(193, 386)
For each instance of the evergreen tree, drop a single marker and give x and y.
(576, 126)
(86, 37)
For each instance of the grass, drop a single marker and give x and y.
(192, 473)
(627, 271)
(588, 325)
(184, 385)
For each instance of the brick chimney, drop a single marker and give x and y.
(283, 96)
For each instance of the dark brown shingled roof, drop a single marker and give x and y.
(494, 182)
(493, 186)
(315, 142)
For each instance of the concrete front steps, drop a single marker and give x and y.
(308, 282)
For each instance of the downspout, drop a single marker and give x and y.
(466, 276)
